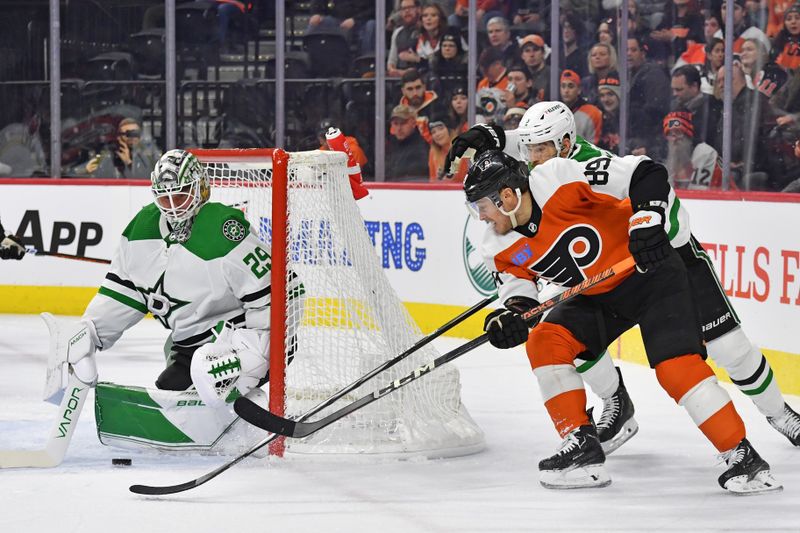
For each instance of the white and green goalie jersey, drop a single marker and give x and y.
(220, 273)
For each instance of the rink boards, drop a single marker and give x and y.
(428, 247)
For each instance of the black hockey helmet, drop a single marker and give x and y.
(492, 171)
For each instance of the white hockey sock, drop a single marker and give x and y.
(600, 375)
(748, 369)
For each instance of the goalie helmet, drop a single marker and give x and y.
(543, 122)
(180, 185)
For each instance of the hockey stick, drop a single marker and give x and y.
(262, 418)
(42, 253)
(172, 489)
(60, 435)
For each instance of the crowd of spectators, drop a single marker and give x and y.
(674, 90)
(675, 56)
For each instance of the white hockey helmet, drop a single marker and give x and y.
(180, 185)
(543, 122)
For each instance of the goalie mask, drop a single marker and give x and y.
(180, 185)
(491, 172)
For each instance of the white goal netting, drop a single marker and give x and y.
(351, 319)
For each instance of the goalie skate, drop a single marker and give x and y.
(617, 425)
(577, 464)
(788, 424)
(747, 474)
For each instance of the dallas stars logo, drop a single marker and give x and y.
(159, 303)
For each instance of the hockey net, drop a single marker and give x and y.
(350, 320)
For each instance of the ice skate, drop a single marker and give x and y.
(577, 464)
(617, 425)
(788, 424)
(747, 473)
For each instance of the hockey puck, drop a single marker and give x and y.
(121, 462)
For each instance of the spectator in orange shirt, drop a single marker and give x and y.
(442, 138)
(588, 117)
(786, 46)
(493, 68)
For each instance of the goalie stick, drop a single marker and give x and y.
(42, 253)
(262, 418)
(150, 490)
(60, 435)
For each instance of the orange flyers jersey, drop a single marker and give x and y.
(582, 231)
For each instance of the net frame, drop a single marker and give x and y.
(284, 180)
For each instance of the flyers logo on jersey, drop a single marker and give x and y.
(575, 249)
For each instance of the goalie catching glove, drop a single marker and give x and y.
(231, 366)
(648, 244)
(478, 138)
(505, 327)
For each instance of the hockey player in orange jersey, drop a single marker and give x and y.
(558, 225)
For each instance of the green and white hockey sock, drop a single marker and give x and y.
(600, 374)
(748, 369)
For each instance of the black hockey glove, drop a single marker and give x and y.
(11, 247)
(480, 138)
(648, 244)
(505, 327)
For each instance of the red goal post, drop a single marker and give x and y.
(334, 311)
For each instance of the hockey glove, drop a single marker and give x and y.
(648, 242)
(479, 138)
(11, 248)
(505, 327)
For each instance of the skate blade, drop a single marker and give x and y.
(629, 429)
(762, 483)
(583, 477)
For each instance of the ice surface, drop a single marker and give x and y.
(664, 479)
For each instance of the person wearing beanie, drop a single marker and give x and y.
(608, 91)
(441, 138)
(449, 59)
(786, 46)
(588, 117)
(690, 164)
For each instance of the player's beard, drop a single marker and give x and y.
(679, 159)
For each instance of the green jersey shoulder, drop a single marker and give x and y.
(216, 229)
(586, 151)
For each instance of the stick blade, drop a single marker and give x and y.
(27, 459)
(147, 490)
(260, 417)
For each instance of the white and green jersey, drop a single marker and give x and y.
(619, 172)
(221, 272)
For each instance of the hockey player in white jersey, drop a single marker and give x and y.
(199, 269)
(546, 131)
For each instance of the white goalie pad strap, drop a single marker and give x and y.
(557, 379)
(71, 344)
(704, 399)
(231, 366)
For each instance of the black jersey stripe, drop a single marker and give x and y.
(256, 295)
(206, 335)
(118, 280)
(752, 379)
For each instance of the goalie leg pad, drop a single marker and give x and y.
(170, 421)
